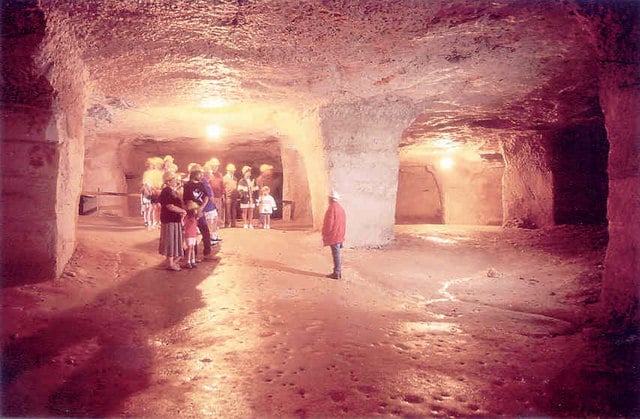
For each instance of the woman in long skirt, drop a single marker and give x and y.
(171, 213)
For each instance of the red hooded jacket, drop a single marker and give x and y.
(335, 224)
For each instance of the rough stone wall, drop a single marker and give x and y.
(418, 199)
(300, 131)
(104, 172)
(527, 181)
(618, 29)
(472, 193)
(43, 83)
(296, 185)
(361, 150)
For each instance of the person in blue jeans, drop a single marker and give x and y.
(333, 231)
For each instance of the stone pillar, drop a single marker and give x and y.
(618, 31)
(527, 181)
(361, 156)
(42, 143)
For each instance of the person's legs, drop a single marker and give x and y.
(244, 217)
(155, 215)
(267, 221)
(221, 212)
(336, 253)
(227, 213)
(234, 212)
(250, 217)
(214, 229)
(206, 236)
(173, 264)
(209, 218)
(147, 214)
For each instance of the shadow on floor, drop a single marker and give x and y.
(86, 361)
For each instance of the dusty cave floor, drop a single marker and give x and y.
(446, 321)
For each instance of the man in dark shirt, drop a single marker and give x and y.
(195, 191)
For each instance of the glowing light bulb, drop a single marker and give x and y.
(213, 131)
(446, 163)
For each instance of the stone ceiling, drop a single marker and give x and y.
(477, 69)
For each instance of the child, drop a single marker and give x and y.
(190, 223)
(266, 206)
(145, 204)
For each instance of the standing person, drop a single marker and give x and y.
(266, 206)
(269, 177)
(333, 230)
(247, 188)
(217, 187)
(171, 214)
(210, 209)
(190, 224)
(168, 165)
(153, 178)
(145, 204)
(195, 191)
(231, 196)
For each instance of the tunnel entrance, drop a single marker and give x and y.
(579, 165)
(122, 170)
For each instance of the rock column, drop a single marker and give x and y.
(360, 141)
(619, 30)
(42, 143)
(527, 181)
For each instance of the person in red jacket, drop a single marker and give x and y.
(333, 229)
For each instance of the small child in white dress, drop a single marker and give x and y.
(266, 206)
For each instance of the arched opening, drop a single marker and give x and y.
(445, 179)
(114, 168)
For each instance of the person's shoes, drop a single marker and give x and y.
(334, 276)
(174, 268)
(188, 265)
(246, 226)
(251, 226)
(194, 264)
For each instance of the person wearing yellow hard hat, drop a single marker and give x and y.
(230, 184)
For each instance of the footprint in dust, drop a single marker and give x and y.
(316, 324)
(401, 346)
(473, 407)
(367, 389)
(412, 398)
(337, 396)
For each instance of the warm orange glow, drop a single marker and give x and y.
(213, 102)
(446, 163)
(214, 131)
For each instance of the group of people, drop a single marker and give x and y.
(200, 200)
(197, 201)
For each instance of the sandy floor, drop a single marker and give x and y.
(446, 321)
